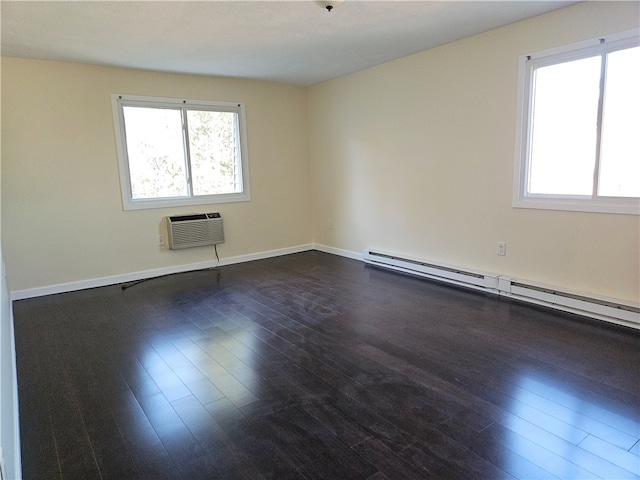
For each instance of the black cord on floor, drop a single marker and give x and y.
(128, 285)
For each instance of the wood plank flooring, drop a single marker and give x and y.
(313, 366)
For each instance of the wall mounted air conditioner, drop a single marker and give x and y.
(195, 230)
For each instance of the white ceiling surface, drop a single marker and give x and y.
(296, 42)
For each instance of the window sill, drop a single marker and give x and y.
(184, 202)
(617, 206)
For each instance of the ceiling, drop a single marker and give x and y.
(297, 42)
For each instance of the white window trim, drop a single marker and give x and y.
(521, 199)
(128, 203)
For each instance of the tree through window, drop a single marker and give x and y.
(176, 152)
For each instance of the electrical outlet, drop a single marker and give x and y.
(330, 224)
(502, 249)
(160, 240)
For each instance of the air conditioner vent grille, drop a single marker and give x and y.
(196, 230)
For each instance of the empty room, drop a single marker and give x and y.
(358, 240)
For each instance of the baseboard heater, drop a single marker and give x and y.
(611, 310)
(194, 230)
(596, 307)
(443, 273)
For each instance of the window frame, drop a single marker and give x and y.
(119, 101)
(527, 65)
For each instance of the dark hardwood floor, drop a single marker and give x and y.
(312, 366)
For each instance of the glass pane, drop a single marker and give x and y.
(214, 152)
(563, 128)
(156, 153)
(620, 148)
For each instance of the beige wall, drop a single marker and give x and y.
(416, 157)
(61, 206)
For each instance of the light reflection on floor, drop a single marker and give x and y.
(569, 436)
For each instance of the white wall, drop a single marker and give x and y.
(61, 206)
(416, 157)
(9, 423)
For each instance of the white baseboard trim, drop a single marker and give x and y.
(338, 251)
(134, 276)
(156, 272)
(268, 254)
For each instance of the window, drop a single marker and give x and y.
(578, 130)
(175, 152)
